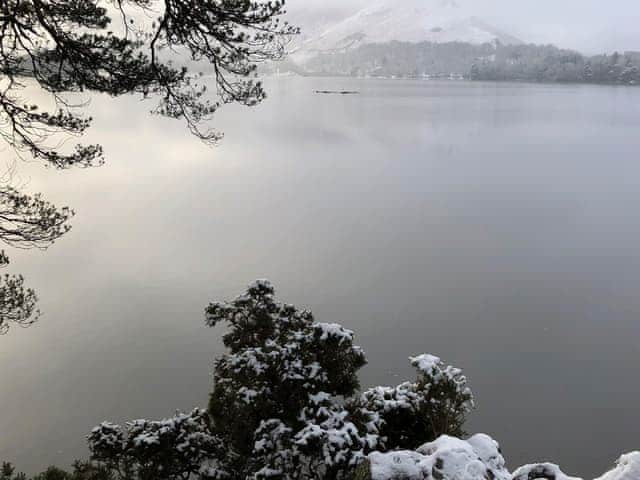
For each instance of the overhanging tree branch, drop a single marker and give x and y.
(69, 47)
(62, 47)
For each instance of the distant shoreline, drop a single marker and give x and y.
(443, 78)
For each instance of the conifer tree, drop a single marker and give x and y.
(413, 413)
(275, 403)
(176, 448)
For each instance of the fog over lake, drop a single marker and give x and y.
(494, 225)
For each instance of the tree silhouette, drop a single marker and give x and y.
(25, 222)
(115, 47)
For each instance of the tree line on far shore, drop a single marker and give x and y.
(488, 62)
(550, 64)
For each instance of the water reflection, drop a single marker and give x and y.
(492, 225)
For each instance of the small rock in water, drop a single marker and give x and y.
(338, 92)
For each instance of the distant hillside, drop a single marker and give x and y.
(411, 21)
(440, 38)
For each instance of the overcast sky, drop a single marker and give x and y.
(586, 25)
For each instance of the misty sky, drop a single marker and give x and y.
(587, 25)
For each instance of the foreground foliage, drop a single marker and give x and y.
(285, 405)
(176, 448)
(413, 413)
(447, 458)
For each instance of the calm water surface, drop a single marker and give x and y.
(494, 225)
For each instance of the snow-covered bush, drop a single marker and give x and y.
(174, 448)
(447, 458)
(276, 402)
(413, 413)
(284, 405)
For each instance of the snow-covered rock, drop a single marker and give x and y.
(382, 21)
(628, 468)
(541, 471)
(447, 458)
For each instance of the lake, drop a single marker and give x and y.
(494, 225)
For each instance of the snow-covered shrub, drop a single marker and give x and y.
(413, 413)
(328, 446)
(283, 405)
(276, 402)
(174, 448)
(447, 458)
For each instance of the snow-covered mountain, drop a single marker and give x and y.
(437, 21)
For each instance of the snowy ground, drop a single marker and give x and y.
(477, 458)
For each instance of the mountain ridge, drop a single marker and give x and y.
(413, 21)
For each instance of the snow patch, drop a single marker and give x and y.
(437, 21)
(627, 468)
(447, 458)
(334, 330)
(542, 471)
(425, 363)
